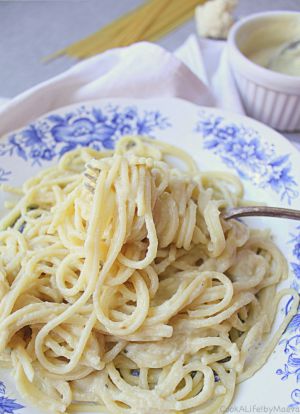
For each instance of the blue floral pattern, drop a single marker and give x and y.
(295, 239)
(291, 341)
(4, 175)
(51, 137)
(253, 159)
(7, 405)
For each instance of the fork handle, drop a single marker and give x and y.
(261, 211)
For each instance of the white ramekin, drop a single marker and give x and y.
(270, 97)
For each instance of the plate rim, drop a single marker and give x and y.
(219, 111)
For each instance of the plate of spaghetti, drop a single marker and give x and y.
(122, 288)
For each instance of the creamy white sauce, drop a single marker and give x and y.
(275, 58)
(266, 39)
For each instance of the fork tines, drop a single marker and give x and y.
(91, 176)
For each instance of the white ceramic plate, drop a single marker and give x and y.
(267, 163)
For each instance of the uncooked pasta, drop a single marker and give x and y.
(148, 22)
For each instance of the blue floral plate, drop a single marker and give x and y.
(267, 163)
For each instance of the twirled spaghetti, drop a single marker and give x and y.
(127, 290)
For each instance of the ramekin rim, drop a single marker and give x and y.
(272, 75)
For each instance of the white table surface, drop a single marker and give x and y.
(33, 29)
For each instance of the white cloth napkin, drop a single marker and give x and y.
(143, 70)
(198, 72)
(209, 61)
(3, 100)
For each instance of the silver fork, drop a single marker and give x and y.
(264, 211)
(91, 178)
(228, 213)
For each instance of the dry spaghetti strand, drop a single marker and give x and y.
(149, 22)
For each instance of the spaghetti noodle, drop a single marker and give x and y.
(122, 287)
(149, 22)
